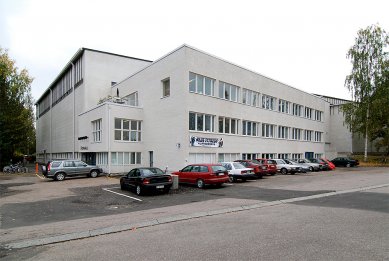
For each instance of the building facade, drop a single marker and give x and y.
(186, 107)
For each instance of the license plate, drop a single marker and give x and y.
(160, 186)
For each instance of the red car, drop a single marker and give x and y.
(203, 174)
(259, 169)
(270, 164)
(330, 164)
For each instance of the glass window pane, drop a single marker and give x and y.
(200, 122)
(126, 135)
(208, 122)
(208, 86)
(192, 82)
(221, 90)
(244, 128)
(192, 121)
(221, 127)
(132, 158)
(126, 159)
(133, 135)
(134, 125)
(126, 124)
(113, 158)
(233, 126)
(120, 158)
(233, 93)
(138, 158)
(200, 84)
(227, 92)
(227, 127)
(249, 128)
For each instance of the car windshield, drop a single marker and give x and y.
(271, 162)
(280, 162)
(255, 162)
(218, 168)
(293, 162)
(151, 172)
(238, 165)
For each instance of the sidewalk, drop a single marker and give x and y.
(62, 231)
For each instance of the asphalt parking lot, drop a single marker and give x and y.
(47, 201)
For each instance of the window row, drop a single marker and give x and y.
(226, 125)
(195, 158)
(126, 158)
(204, 85)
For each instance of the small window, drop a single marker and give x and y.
(166, 87)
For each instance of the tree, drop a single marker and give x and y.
(17, 132)
(368, 84)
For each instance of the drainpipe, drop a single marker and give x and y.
(51, 125)
(74, 113)
(109, 138)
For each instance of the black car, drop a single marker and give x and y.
(345, 162)
(146, 179)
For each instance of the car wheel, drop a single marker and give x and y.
(284, 171)
(200, 183)
(59, 176)
(260, 176)
(166, 190)
(311, 169)
(348, 165)
(122, 186)
(231, 179)
(138, 190)
(94, 173)
(244, 179)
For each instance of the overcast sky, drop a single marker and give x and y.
(300, 43)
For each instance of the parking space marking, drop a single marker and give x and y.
(106, 189)
(39, 176)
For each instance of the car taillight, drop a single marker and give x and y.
(146, 181)
(243, 171)
(49, 167)
(170, 179)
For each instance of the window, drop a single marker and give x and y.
(228, 125)
(297, 109)
(296, 134)
(250, 128)
(318, 155)
(102, 158)
(201, 84)
(78, 71)
(283, 132)
(268, 102)
(126, 158)
(250, 97)
(283, 155)
(268, 155)
(201, 158)
(308, 113)
(132, 99)
(250, 156)
(318, 115)
(127, 130)
(296, 155)
(62, 88)
(308, 135)
(166, 87)
(201, 122)
(96, 128)
(226, 157)
(283, 106)
(318, 136)
(44, 105)
(267, 130)
(228, 91)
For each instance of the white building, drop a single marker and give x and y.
(186, 107)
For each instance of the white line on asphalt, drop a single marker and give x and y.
(121, 194)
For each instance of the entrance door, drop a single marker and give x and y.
(309, 155)
(151, 155)
(89, 158)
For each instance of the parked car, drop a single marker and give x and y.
(259, 169)
(303, 168)
(310, 165)
(345, 162)
(142, 180)
(238, 171)
(285, 168)
(270, 165)
(330, 164)
(322, 163)
(203, 174)
(60, 169)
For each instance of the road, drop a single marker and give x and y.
(347, 225)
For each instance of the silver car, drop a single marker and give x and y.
(60, 169)
(310, 165)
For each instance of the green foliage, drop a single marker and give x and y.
(17, 132)
(368, 83)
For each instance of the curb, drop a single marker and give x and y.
(171, 219)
